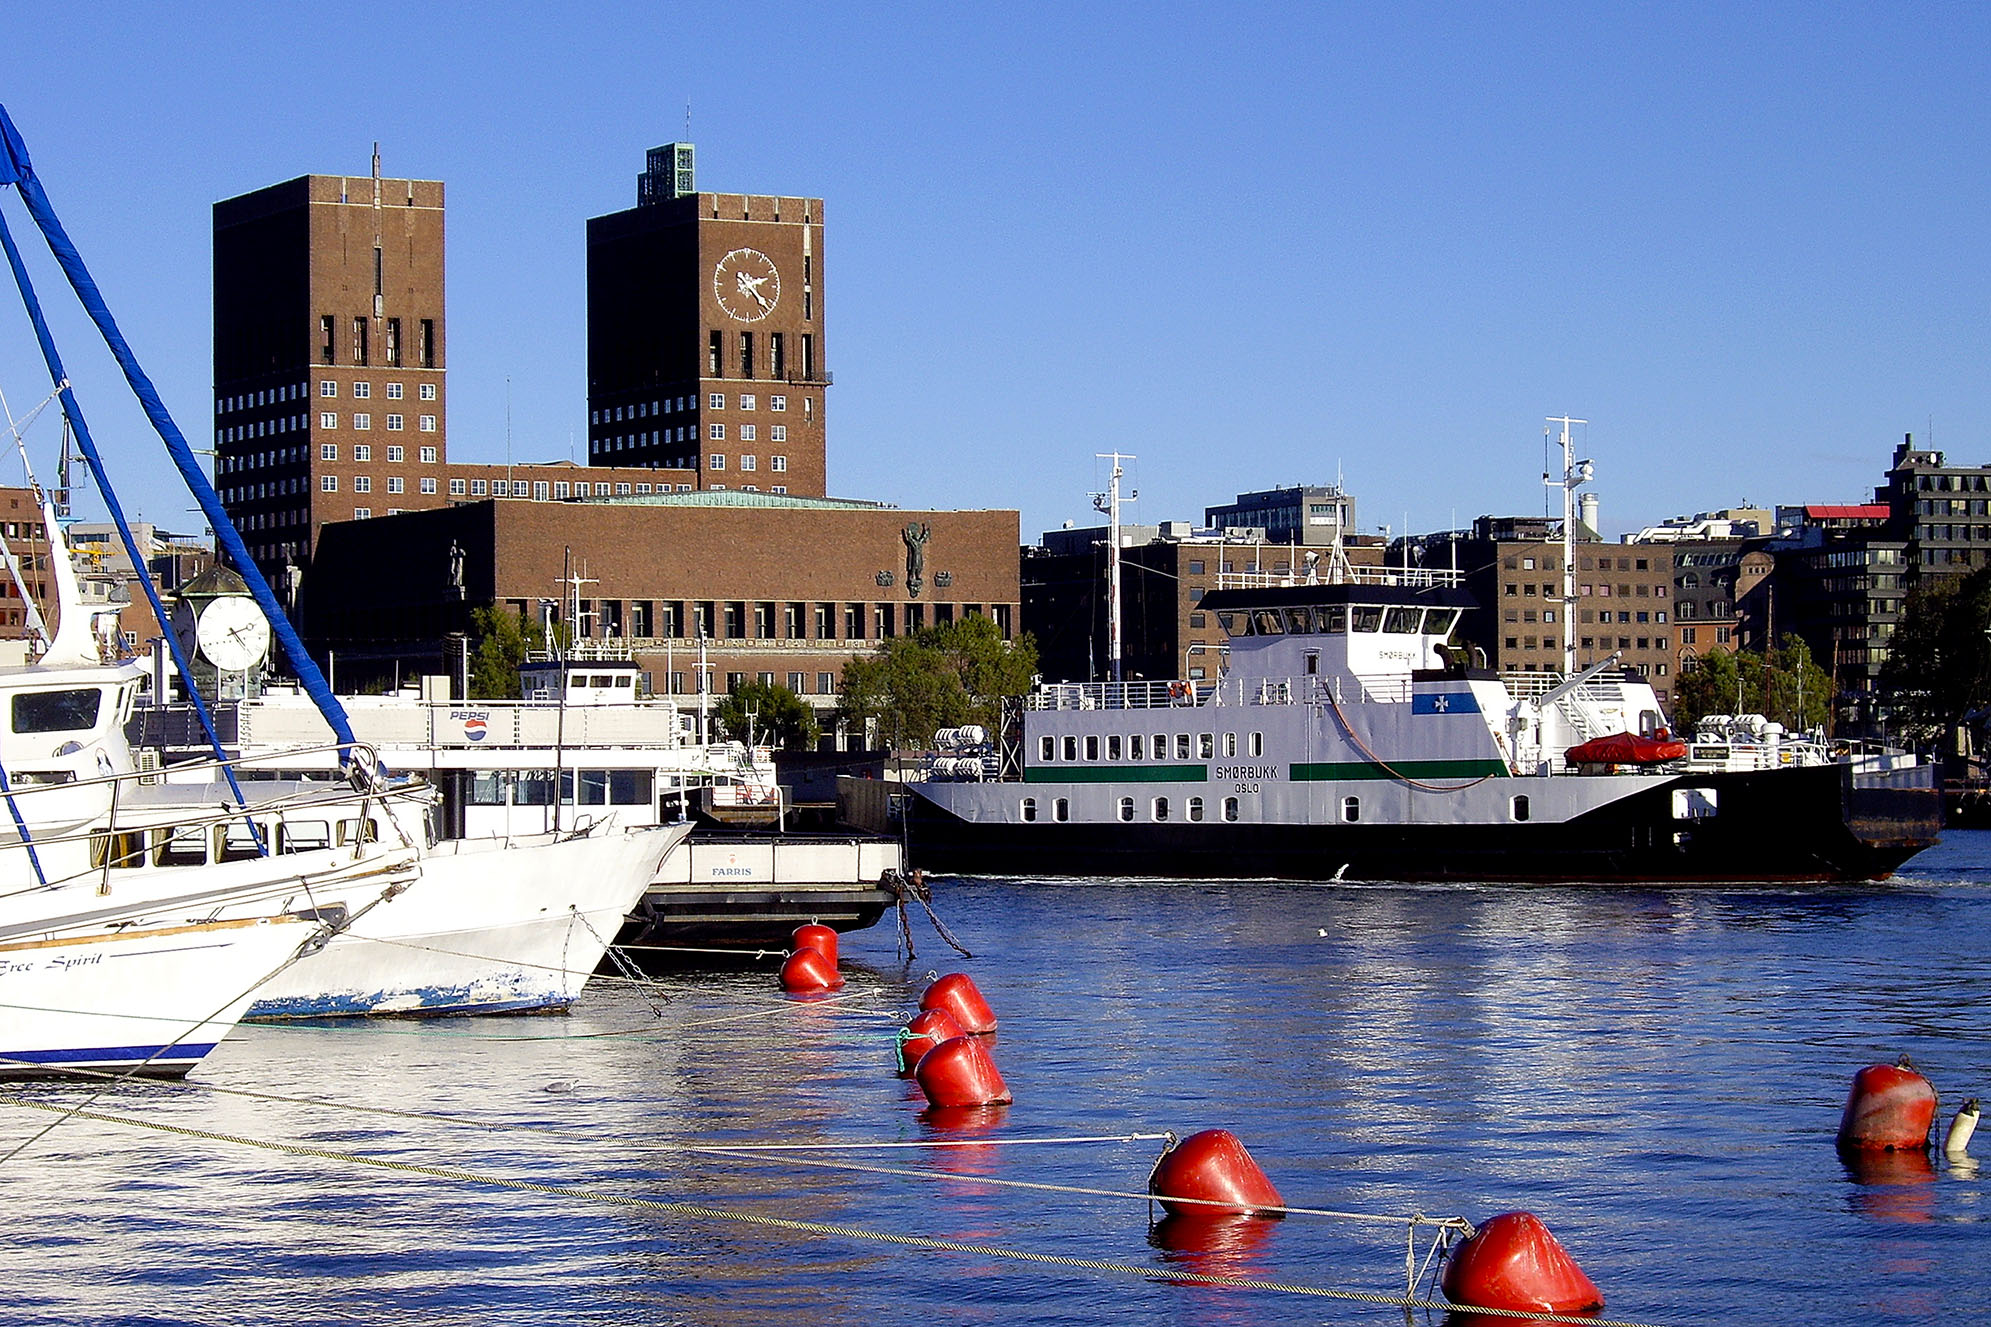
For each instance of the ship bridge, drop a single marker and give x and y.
(1376, 622)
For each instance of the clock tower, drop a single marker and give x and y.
(705, 334)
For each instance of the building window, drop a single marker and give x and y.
(716, 401)
(394, 423)
(362, 451)
(328, 388)
(477, 488)
(746, 355)
(428, 347)
(456, 488)
(428, 485)
(715, 354)
(428, 423)
(362, 390)
(393, 342)
(716, 461)
(394, 455)
(716, 432)
(428, 456)
(393, 391)
(394, 484)
(362, 484)
(328, 420)
(749, 462)
(362, 421)
(362, 513)
(328, 484)
(748, 433)
(427, 391)
(328, 451)
(777, 402)
(325, 337)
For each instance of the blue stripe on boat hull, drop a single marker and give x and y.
(429, 1002)
(159, 1062)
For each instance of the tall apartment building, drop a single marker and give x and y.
(1943, 511)
(1303, 514)
(328, 356)
(705, 334)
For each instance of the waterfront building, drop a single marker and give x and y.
(705, 334)
(1315, 514)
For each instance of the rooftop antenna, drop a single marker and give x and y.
(687, 119)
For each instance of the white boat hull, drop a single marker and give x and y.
(150, 1001)
(491, 926)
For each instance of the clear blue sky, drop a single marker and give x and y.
(1253, 246)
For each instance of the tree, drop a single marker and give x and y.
(1938, 670)
(1788, 686)
(768, 712)
(939, 677)
(501, 642)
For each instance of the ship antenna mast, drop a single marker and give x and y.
(1574, 475)
(1109, 502)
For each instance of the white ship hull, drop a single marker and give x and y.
(491, 926)
(152, 1001)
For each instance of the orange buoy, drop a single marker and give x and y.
(1214, 1167)
(960, 1072)
(928, 1028)
(956, 993)
(1513, 1262)
(809, 970)
(814, 935)
(1890, 1107)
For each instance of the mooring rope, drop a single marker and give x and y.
(1376, 760)
(703, 1212)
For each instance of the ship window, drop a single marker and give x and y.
(1403, 621)
(1092, 746)
(368, 831)
(1256, 746)
(57, 711)
(1182, 746)
(1195, 808)
(1351, 809)
(594, 787)
(1519, 807)
(1161, 808)
(630, 787)
(1071, 748)
(1228, 621)
(1136, 750)
(1161, 746)
(1337, 619)
(1029, 808)
(1126, 808)
(1113, 746)
(234, 842)
(1368, 617)
(1230, 745)
(1230, 808)
(1206, 745)
(1313, 662)
(122, 851)
(180, 845)
(1047, 747)
(1061, 809)
(533, 787)
(1440, 621)
(1265, 622)
(304, 835)
(487, 788)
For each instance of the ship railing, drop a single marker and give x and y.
(1115, 695)
(1418, 578)
(614, 650)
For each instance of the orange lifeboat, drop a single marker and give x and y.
(1625, 749)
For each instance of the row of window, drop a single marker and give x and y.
(228, 465)
(1601, 591)
(745, 620)
(675, 405)
(362, 421)
(364, 390)
(329, 451)
(362, 350)
(1204, 745)
(1161, 809)
(364, 484)
(292, 391)
(261, 428)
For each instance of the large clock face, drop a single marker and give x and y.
(746, 285)
(233, 634)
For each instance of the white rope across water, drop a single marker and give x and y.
(699, 1211)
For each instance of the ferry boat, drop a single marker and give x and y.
(1348, 740)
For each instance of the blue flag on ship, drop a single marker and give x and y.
(1445, 702)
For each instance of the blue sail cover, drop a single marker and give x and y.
(15, 169)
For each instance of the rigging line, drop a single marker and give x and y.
(1384, 765)
(699, 1211)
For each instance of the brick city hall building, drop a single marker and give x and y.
(703, 510)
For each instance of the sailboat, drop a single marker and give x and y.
(415, 925)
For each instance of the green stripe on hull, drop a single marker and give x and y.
(1117, 774)
(1401, 769)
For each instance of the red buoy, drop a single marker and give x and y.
(1512, 1262)
(808, 970)
(956, 993)
(1213, 1166)
(928, 1028)
(814, 935)
(1890, 1107)
(960, 1072)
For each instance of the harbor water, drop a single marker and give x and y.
(1656, 1072)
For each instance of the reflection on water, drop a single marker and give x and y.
(1655, 1072)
